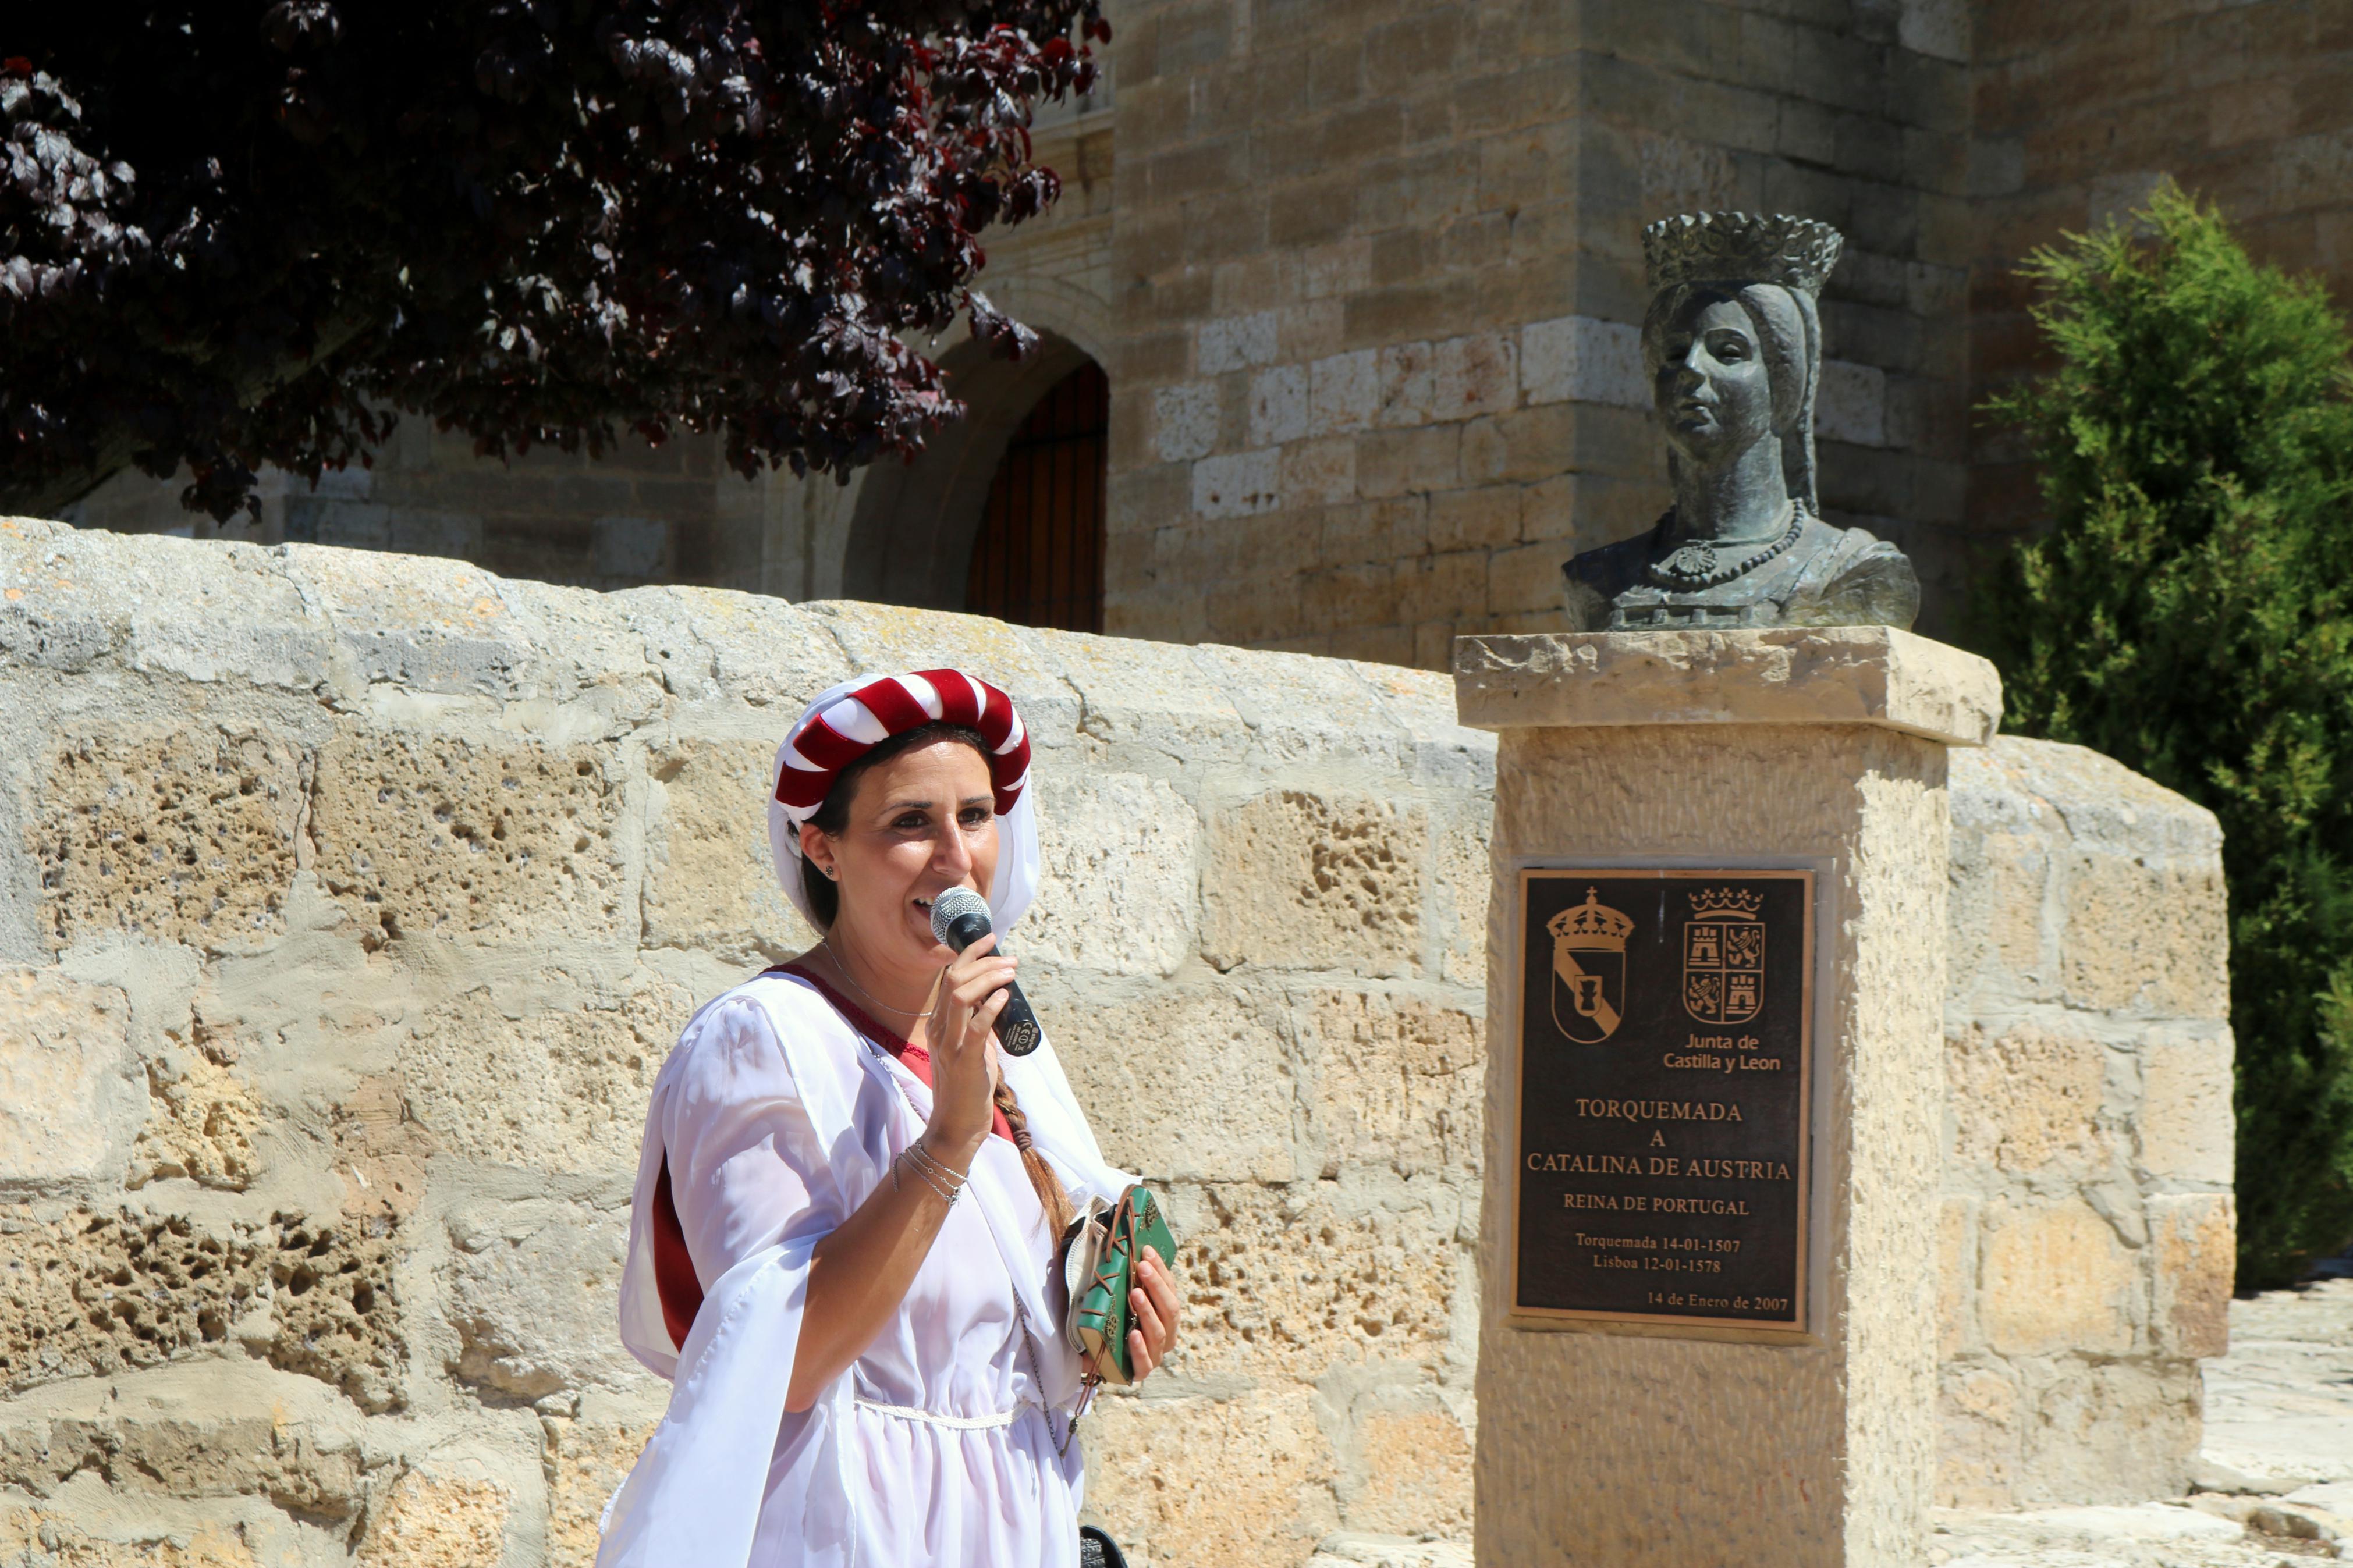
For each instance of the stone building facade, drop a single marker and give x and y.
(349, 903)
(1365, 277)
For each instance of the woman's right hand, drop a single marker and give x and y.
(964, 1052)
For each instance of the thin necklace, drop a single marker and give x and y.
(825, 942)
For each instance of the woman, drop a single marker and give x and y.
(842, 1248)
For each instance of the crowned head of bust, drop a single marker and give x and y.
(1733, 343)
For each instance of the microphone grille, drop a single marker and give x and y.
(953, 906)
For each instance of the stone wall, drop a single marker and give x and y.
(1381, 374)
(2087, 1242)
(348, 903)
(1366, 277)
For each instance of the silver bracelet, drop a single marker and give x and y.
(947, 1196)
(924, 1157)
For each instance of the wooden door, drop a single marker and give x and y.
(1039, 558)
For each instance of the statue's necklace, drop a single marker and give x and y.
(1700, 565)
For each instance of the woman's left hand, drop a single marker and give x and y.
(1154, 1307)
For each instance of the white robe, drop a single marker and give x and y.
(777, 1121)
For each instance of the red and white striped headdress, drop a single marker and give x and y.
(850, 720)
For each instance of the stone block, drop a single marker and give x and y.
(1677, 175)
(1344, 393)
(336, 1307)
(1184, 421)
(203, 1125)
(447, 627)
(1939, 29)
(1155, 1075)
(2194, 1253)
(2025, 1097)
(1320, 472)
(549, 1091)
(2185, 1124)
(1235, 342)
(218, 612)
(68, 1089)
(711, 880)
(186, 838)
(1790, 675)
(1120, 890)
(1238, 484)
(1401, 462)
(1279, 1279)
(1577, 359)
(41, 1538)
(1278, 405)
(530, 1289)
(2054, 1279)
(1852, 403)
(1999, 922)
(1476, 374)
(622, 548)
(438, 1521)
(2094, 1430)
(189, 1433)
(505, 842)
(1417, 1475)
(759, 651)
(1398, 1082)
(2147, 937)
(1301, 880)
(96, 1294)
(1210, 1482)
(1486, 518)
(586, 1461)
(1409, 387)
(1979, 1446)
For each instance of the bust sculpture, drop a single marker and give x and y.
(1733, 344)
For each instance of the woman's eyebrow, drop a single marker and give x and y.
(926, 805)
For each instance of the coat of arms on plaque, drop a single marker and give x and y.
(1589, 968)
(1723, 956)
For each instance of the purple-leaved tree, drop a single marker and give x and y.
(233, 234)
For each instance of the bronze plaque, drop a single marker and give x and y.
(1665, 1036)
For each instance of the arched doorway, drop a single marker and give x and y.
(1038, 557)
(911, 526)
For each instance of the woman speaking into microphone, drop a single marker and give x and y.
(846, 1245)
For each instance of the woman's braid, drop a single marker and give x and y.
(1051, 1196)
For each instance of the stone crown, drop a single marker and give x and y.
(1739, 247)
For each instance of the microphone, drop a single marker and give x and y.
(959, 919)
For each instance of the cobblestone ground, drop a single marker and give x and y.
(2276, 1485)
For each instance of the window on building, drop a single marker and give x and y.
(1037, 560)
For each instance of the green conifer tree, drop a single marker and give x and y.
(2189, 612)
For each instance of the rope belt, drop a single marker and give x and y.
(953, 1423)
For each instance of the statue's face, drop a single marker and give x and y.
(1711, 392)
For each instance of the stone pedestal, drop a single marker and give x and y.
(1688, 1444)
